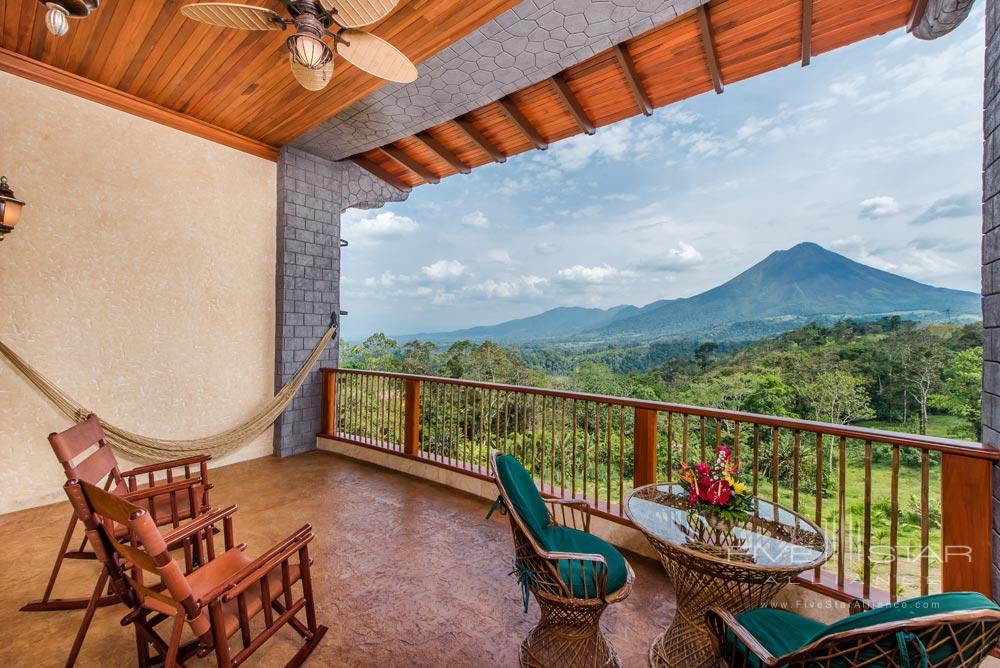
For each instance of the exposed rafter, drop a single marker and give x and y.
(807, 30)
(572, 104)
(435, 147)
(708, 41)
(632, 79)
(917, 12)
(477, 138)
(409, 163)
(366, 164)
(515, 116)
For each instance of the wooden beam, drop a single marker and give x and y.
(807, 29)
(632, 79)
(708, 41)
(409, 163)
(39, 72)
(917, 12)
(515, 116)
(435, 147)
(379, 172)
(572, 104)
(477, 138)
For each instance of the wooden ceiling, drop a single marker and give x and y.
(721, 43)
(217, 78)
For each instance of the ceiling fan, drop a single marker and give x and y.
(310, 58)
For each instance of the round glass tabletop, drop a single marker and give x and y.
(771, 536)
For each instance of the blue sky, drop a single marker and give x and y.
(873, 151)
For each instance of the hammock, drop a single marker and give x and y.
(145, 448)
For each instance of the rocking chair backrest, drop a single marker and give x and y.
(153, 558)
(99, 466)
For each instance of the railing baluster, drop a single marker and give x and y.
(684, 439)
(894, 526)
(842, 512)
(867, 546)
(819, 488)
(701, 436)
(736, 443)
(621, 458)
(670, 447)
(775, 438)
(796, 462)
(756, 460)
(924, 521)
(607, 443)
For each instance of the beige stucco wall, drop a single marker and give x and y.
(140, 280)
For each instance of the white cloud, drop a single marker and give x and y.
(369, 230)
(444, 270)
(499, 256)
(545, 248)
(519, 288)
(603, 273)
(683, 257)
(881, 206)
(476, 219)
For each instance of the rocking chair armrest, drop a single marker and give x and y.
(574, 506)
(163, 466)
(719, 620)
(203, 521)
(261, 566)
(160, 490)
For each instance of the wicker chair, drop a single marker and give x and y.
(572, 574)
(953, 630)
(219, 600)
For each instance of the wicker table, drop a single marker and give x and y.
(736, 568)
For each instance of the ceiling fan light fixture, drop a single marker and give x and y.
(56, 19)
(309, 51)
(313, 80)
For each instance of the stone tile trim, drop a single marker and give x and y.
(991, 265)
(312, 193)
(529, 43)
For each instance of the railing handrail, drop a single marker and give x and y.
(946, 445)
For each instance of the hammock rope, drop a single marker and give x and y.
(145, 448)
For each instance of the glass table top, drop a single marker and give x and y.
(771, 536)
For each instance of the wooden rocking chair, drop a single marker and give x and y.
(181, 493)
(218, 600)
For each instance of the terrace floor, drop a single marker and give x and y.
(408, 573)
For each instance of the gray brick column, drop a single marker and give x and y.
(991, 265)
(312, 193)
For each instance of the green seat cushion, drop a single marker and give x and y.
(783, 632)
(780, 631)
(523, 494)
(915, 608)
(583, 581)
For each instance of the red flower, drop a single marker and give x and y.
(725, 451)
(703, 470)
(718, 493)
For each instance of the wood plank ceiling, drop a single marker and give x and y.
(721, 43)
(235, 80)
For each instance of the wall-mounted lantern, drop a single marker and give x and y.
(61, 11)
(10, 208)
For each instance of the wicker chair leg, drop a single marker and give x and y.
(568, 636)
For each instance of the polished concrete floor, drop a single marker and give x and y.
(408, 573)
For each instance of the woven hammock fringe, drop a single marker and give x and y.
(145, 448)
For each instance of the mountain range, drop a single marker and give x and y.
(787, 289)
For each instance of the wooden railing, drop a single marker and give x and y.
(908, 514)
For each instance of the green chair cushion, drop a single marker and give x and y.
(915, 608)
(783, 632)
(583, 581)
(523, 494)
(779, 631)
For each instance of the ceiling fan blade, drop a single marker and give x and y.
(311, 79)
(357, 13)
(376, 56)
(230, 15)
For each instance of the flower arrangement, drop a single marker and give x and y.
(716, 490)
